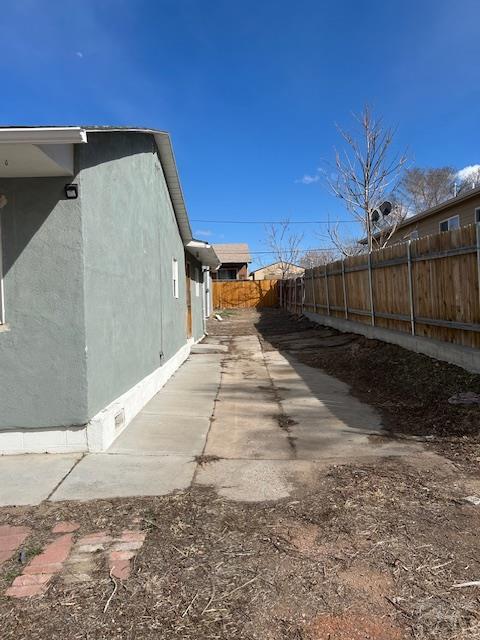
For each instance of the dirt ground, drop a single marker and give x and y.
(369, 552)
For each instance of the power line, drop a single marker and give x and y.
(286, 251)
(272, 221)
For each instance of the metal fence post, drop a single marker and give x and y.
(478, 258)
(344, 290)
(313, 291)
(370, 286)
(326, 291)
(410, 286)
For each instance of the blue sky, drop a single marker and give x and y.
(250, 90)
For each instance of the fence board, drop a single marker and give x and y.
(445, 272)
(233, 294)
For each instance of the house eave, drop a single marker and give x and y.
(204, 253)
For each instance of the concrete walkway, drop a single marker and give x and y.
(265, 423)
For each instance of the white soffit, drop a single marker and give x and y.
(43, 135)
(204, 253)
(38, 152)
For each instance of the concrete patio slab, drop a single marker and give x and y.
(105, 475)
(258, 480)
(30, 479)
(163, 435)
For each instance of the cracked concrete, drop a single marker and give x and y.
(267, 423)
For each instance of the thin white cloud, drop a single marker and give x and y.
(79, 54)
(464, 173)
(310, 179)
(203, 232)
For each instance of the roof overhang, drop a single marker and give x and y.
(204, 253)
(27, 152)
(30, 152)
(170, 171)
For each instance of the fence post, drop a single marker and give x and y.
(410, 287)
(370, 286)
(313, 291)
(345, 302)
(295, 299)
(326, 290)
(302, 289)
(478, 258)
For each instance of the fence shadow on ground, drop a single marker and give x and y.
(287, 334)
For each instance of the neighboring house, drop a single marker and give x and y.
(234, 258)
(102, 285)
(451, 214)
(277, 271)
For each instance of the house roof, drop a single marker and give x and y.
(279, 262)
(433, 210)
(204, 253)
(234, 252)
(48, 135)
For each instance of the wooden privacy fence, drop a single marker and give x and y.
(245, 293)
(427, 287)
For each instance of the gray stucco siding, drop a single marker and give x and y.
(134, 324)
(42, 346)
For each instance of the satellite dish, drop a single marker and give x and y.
(386, 208)
(375, 216)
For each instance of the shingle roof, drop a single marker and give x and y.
(234, 252)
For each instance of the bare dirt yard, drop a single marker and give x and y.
(369, 551)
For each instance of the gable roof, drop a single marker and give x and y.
(233, 252)
(279, 262)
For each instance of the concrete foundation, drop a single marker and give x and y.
(464, 357)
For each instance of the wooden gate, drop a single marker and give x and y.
(232, 294)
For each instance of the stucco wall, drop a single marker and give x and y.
(42, 354)
(133, 322)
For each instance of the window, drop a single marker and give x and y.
(450, 223)
(197, 281)
(227, 274)
(477, 214)
(175, 277)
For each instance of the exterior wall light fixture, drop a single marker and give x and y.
(71, 191)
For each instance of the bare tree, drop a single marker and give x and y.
(284, 244)
(470, 181)
(423, 188)
(366, 172)
(316, 258)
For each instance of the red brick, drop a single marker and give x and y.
(44, 567)
(10, 539)
(121, 555)
(133, 536)
(65, 527)
(27, 580)
(25, 586)
(5, 555)
(25, 592)
(98, 537)
(7, 530)
(53, 555)
(120, 569)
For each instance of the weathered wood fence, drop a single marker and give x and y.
(230, 294)
(428, 287)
